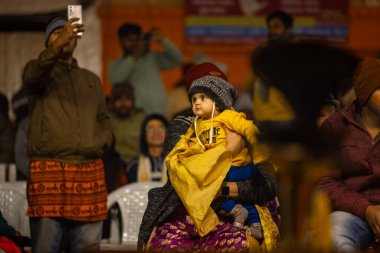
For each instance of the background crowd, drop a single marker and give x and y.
(323, 118)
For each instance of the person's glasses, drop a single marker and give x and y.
(151, 129)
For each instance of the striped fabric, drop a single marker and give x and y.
(65, 190)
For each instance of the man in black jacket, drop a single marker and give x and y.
(69, 128)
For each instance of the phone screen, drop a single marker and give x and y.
(75, 11)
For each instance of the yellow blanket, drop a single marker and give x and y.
(196, 176)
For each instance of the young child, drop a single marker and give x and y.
(212, 98)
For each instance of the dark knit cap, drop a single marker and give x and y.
(122, 89)
(366, 79)
(54, 23)
(211, 81)
(129, 29)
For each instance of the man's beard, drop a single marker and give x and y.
(123, 113)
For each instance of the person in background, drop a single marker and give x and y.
(6, 132)
(126, 121)
(115, 176)
(271, 110)
(354, 187)
(69, 128)
(141, 67)
(20, 108)
(20, 105)
(11, 238)
(280, 27)
(150, 164)
(20, 148)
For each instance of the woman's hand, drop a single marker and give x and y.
(233, 189)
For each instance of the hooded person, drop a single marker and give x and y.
(149, 164)
(200, 162)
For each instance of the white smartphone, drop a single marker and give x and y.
(75, 11)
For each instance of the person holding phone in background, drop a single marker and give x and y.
(141, 67)
(69, 128)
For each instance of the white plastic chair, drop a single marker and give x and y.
(8, 172)
(132, 200)
(13, 205)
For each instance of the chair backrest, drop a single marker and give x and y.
(14, 204)
(132, 199)
(8, 172)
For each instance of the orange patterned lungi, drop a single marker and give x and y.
(66, 190)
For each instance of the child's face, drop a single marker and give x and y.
(202, 105)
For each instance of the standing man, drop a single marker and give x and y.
(141, 67)
(271, 110)
(69, 127)
(354, 188)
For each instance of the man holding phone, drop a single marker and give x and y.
(69, 128)
(141, 68)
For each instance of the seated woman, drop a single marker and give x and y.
(166, 224)
(150, 164)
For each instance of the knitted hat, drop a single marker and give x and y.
(201, 70)
(208, 79)
(122, 89)
(366, 79)
(54, 23)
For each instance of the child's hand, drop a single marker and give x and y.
(157, 35)
(234, 142)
